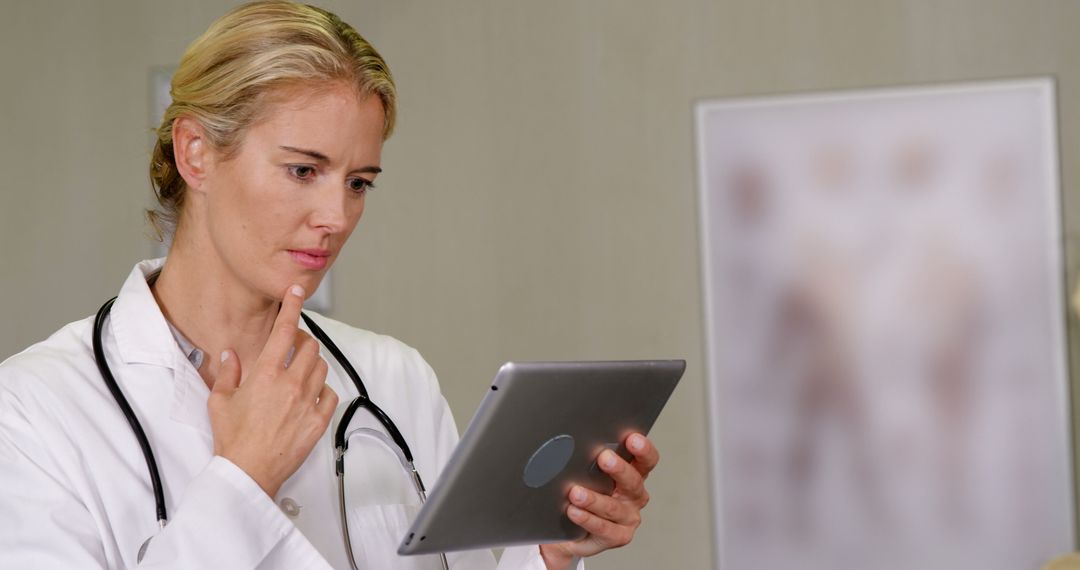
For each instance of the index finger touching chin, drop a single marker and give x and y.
(283, 335)
(646, 456)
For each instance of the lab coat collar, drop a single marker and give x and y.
(141, 332)
(143, 336)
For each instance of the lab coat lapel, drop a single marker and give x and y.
(189, 400)
(143, 337)
(141, 333)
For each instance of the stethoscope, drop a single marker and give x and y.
(341, 438)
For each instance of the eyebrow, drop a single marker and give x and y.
(323, 158)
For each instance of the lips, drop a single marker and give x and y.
(311, 258)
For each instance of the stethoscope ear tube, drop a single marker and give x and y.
(362, 401)
(129, 414)
(334, 350)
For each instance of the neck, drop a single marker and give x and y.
(213, 309)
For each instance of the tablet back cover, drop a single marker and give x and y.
(537, 432)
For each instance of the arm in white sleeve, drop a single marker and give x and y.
(42, 523)
(223, 520)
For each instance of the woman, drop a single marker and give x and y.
(261, 167)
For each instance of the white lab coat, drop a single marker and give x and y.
(74, 486)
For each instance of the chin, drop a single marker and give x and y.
(276, 286)
(290, 274)
(311, 284)
(309, 280)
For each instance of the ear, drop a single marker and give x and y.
(192, 151)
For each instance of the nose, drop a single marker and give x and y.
(332, 208)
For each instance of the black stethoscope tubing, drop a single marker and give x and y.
(341, 443)
(361, 401)
(148, 453)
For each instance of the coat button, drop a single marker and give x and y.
(290, 507)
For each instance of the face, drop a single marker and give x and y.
(280, 209)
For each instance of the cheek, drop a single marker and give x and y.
(358, 210)
(355, 213)
(270, 224)
(252, 212)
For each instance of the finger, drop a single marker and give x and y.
(327, 402)
(646, 456)
(283, 334)
(304, 367)
(604, 532)
(228, 376)
(628, 481)
(606, 507)
(305, 351)
(316, 378)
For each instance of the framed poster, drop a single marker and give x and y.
(885, 335)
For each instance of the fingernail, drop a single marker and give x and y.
(609, 459)
(637, 443)
(224, 355)
(575, 513)
(297, 290)
(578, 495)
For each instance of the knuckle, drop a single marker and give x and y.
(645, 498)
(625, 537)
(332, 397)
(294, 391)
(306, 343)
(321, 369)
(612, 509)
(286, 328)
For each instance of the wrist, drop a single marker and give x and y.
(265, 481)
(555, 558)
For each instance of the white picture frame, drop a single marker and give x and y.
(801, 223)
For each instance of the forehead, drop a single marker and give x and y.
(333, 119)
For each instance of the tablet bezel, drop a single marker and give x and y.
(481, 499)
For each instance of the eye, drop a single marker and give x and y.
(360, 185)
(302, 172)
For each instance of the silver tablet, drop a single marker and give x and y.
(537, 432)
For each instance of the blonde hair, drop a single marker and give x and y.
(226, 74)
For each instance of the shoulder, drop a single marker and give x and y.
(51, 365)
(46, 387)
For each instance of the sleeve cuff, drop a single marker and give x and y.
(224, 520)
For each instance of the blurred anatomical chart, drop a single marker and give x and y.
(885, 329)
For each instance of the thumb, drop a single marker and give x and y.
(228, 376)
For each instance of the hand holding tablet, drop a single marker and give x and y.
(611, 520)
(555, 454)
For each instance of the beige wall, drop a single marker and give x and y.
(539, 195)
